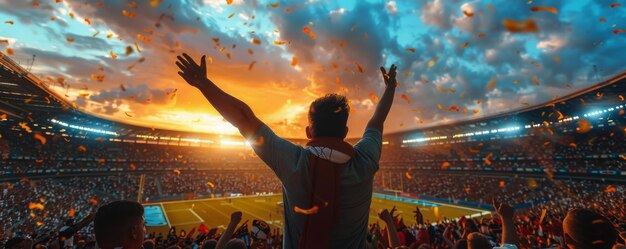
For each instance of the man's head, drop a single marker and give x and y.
(478, 241)
(120, 223)
(584, 228)
(328, 117)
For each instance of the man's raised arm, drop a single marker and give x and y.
(382, 109)
(232, 109)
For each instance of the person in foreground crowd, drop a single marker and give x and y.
(120, 224)
(327, 186)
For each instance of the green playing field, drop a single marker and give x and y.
(216, 212)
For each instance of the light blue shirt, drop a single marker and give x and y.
(290, 162)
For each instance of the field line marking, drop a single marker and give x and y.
(165, 214)
(196, 214)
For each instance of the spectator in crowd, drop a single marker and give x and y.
(120, 224)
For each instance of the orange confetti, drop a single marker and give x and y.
(373, 97)
(280, 42)
(256, 41)
(408, 174)
(71, 212)
(137, 47)
(616, 5)
(128, 13)
(573, 145)
(358, 67)
(620, 97)
(406, 98)
(294, 61)
(617, 31)
(481, 35)
(467, 13)
(309, 32)
(526, 26)
(488, 158)
(412, 50)
(622, 156)
(535, 80)
(87, 21)
(155, 3)
(543, 8)
(35, 3)
(231, 15)
(70, 39)
(475, 111)
(143, 38)
(502, 184)
(82, 148)
(610, 189)
(113, 55)
(602, 19)
(312, 210)
(93, 200)
(464, 45)
(33, 205)
(433, 61)
(98, 77)
(229, 2)
(275, 5)
(132, 167)
(445, 165)
(177, 171)
(251, 65)
(9, 51)
(492, 84)
(9, 22)
(41, 138)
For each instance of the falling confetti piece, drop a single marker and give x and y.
(294, 61)
(408, 174)
(9, 51)
(93, 201)
(87, 21)
(129, 50)
(251, 65)
(616, 5)
(71, 212)
(280, 42)
(256, 41)
(610, 189)
(492, 84)
(481, 35)
(41, 138)
(275, 5)
(309, 32)
(543, 8)
(573, 145)
(128, 114)
(143, 38)
(622, 156)
(620, 97)
(526, 26)
(35, 3)
(535, 80)
(467, 13)
(98, 77)
(617, 31)
(373, 97)
(128, 13)
(231, 15)
(464, 45)
(406, 98)
(445, 165)
(475, 111)
(602, 19)
(137, 47)
(502, 184)
(560, 115)
(229, 2)
(412, 50)
(177, 171)
(358, 67)
(210, 184)
(33, 205)
(433, 61)
(155, 3)
(113, 56)
(584, 126)
(132, 167)
(82, 148)
(312, 210)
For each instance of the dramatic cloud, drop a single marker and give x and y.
(449, 53)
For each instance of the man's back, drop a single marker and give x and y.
(291, 164)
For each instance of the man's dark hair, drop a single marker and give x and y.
(477, 241)
(114, 220)
(328, 116)
(585, 228)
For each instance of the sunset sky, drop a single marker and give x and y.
(450, 54)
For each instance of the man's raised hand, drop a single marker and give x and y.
(191, 72)
(390, 77)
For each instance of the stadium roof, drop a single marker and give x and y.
(24, 96)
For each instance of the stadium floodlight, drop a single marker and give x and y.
(82, 128)
(233, 143)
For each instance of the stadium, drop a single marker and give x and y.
(61, 163)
